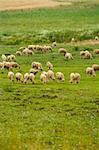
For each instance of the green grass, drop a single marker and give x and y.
(46, 25)
(55, 116)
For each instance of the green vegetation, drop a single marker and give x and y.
(46, 25)
(55, 116)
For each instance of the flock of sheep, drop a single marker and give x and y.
(9, 62)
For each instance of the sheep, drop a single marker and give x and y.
(96, 38)
(96, 51)
(31, 47)
(19, 77)
(68, 56)
(7, 65)
(86, 54)
(4, 58)
(14, 65)
(51, 75)
(26, 77)
(34, 71)
(54, 44)
(95, 67)
(27, 52)
(75, 78)
(73, 40)
(11, 75)
(62, 50)
(37, 65)
(18, 53)
(21, 48)
(60, 76)
(43, 78)
(32, 77)
(11, 58)
(90, 71)
(49, 65)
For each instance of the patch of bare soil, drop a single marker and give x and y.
(29, 4)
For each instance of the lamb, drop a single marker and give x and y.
(96, 51)
(32, 77)
(60, 76)
(75, 78)
(51, 74)
(11, 76)
(18, 53)
(43, 78)
(95, 67)
(68, 56)
(4, 58)
(49, 65)
(19, 77)
(90, 71)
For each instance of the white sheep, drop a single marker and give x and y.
(62, 50)
(37, 65)
(75, 78)
(54, 44)
(51, 75)
(60, 76)
(43, 78)
(4, 58)
(86, 54)
(90, 71)
(32, 77)
(27, 52)
(49, 65)
(26, 77)
(68, 56)
(33, 70)
(11, 75)
(18, 53)
(95, 67)
(19, 77)
(96, 38)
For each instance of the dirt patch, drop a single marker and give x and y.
(87, 42)
(29, 4)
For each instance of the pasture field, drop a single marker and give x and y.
(54, 116)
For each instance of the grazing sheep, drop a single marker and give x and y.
(4, 58)
(18, 53)
(11, 58)
(34, 71)
(90, 71)
(73, 40)
(7, 65)
(62, 50)
(19, 77)
(51, 74)
(36, 65)
(27, 52)
(95, 67)
(32, 77)
(11, 75)
(68, 56)
(26, 77)
(86, 54)
(75, 78)
(96, 51)
(31, 47)
(49, 65)
(21, 48)
(14, 65)
(60, 76)
(43, 78)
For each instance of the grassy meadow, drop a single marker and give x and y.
(57, 115)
